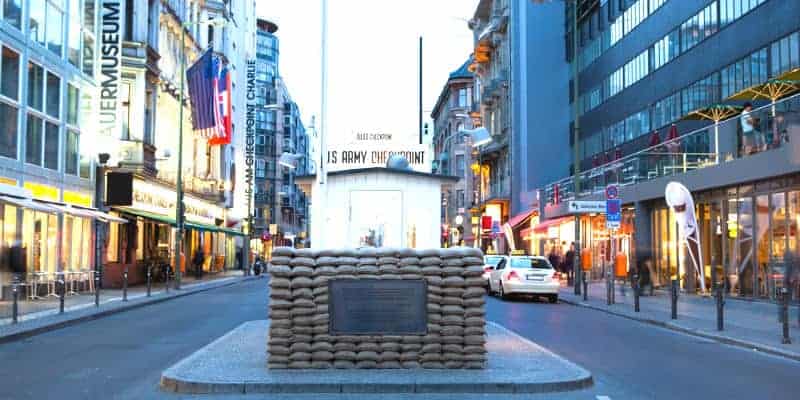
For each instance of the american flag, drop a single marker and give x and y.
(202, 77)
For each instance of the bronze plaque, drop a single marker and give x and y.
(378, 307)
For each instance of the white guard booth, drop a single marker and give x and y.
(377, 207)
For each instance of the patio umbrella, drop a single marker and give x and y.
(716, 113)
(655, 139)
(772, 90)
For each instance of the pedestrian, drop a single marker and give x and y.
(197, 261)
(239, 258)
(554, 258)
(569, 261)
(752, 140)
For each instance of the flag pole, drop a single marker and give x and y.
(179, 178)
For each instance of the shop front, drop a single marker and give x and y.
(48, 233)
(745, 231)
(208, 247)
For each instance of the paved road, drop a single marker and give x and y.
(122, 356)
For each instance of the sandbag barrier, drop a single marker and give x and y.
(298, 309)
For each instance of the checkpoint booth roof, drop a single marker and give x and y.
(376, 206)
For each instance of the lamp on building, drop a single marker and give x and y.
(275, 106)
(459, 219)
(289, 160)
(480, 136)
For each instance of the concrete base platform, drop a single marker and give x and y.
(236, 363)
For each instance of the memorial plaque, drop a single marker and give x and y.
(378, 307)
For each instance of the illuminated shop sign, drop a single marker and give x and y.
(373, 149)
(250, 140)
(160, 200)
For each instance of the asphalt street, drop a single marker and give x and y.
(122, 356)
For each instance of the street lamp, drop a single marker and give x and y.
(179, 179)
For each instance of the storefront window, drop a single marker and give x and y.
(40, 234)
(744, 247)
(112, 246)
(762, 241)
(9, 234)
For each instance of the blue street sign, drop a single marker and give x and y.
(613, 213)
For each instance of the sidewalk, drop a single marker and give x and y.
(42, 315)
(753, 325)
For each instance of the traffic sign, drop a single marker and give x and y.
(612, 192)
(582, 207)
(613, 213)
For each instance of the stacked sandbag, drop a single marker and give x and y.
(280, 308)
(299, 336)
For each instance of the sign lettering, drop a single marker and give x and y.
(111, 17)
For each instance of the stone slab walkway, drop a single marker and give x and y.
(749, 324)
(236, 363)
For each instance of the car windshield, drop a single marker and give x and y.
(492, 260)
(525, 262)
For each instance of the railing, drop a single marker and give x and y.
(701, 148)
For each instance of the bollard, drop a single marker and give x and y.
(97, 288)
(578, 273)
(608, 288)
(613, 287)
(166, 280)
(674, 293)
(61, 295)
(785, 315)
(720, 304)
(15, 306)
(585, 287)
(635, 293)
(149, 280)
(125, 285)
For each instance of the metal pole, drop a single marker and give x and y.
(576, 258)
(97, 288)
(585, 286)
(785, 315)
(674, 302)
(125, 284)
(575, 97)
(179, 177)
(149, 279)
(635, 282)
(420, 90)
(62, 294)
(720, 307)
(15, 306)
(166, 280)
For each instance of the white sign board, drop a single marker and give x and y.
(369, 150)
(581, 207)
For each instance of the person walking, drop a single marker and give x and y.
(554, 258)
(197, 261)
(568, 265)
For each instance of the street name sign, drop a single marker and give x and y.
(613, 213)
(581, 207)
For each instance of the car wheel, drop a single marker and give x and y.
(553, 298)
(503, 294)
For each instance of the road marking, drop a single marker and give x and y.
(602, 397)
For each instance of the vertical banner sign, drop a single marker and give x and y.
(111, 19)
(250, 141)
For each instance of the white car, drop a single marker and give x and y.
(489, 264)
(525, 275)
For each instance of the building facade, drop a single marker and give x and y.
(281, 209)
(662, 85)
(451, 115)
(48, 80)
(492, 68)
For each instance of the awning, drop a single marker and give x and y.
(147, 215)
(28, 203)
(521, 217)
(201, 227)
(106, 217)
(526, 234)
(73, 211)
(542, 227)
(232, 232)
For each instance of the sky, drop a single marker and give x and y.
(372, 59)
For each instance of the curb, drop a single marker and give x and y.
(101, 313)
(692, 331)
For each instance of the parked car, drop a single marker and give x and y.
(489, 263)
(532, 275)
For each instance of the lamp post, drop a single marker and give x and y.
(179, 178)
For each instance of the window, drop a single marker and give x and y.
(666, 111)
(731, 10)
(8, 130)
(614, 83)
(71, 153)
(744, 73)
(36, 22)
(33, 141)
(261, 166)
(51, 146)
(9, 73)
(636, 69)
(55, 21)
(700, 26)
(459, 198)
(616, 134)
(125, 112)
(74, 34)
(666, 49)
(35, 86)
(634, 15)
(88, 53)
(460, 166)
(784, 55)
(637, 124)
(53, 95)
(73, 99)
(700, 94)
(12, 12)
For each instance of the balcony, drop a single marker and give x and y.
(712, 156)
(208, 189)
